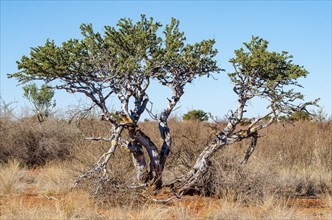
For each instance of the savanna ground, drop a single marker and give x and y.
(289, 176)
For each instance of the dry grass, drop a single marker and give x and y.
(273, 208)
(73, 205)
(291, 166)
(54, 180)
(288, 160)
(17, 208)
(12, 178)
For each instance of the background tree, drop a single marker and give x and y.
(300, 116)
(40, 99)
(198, 115)
(320, 115)
(6, 109)
(123, 61)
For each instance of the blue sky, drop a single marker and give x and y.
(303, 28)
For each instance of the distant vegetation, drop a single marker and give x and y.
(40, 99)
(199, 115)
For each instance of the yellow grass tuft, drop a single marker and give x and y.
(54, 180)
(18, 208)
(12, 178)
(77, 205)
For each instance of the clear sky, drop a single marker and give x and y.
(303, 28)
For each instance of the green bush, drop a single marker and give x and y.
(198, 115)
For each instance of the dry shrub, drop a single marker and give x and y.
(189, 139)
(301, 155)
(35, 144)
(228, 210)
(327, 199)
(227, 178)
(151, 212)
(274, 208)
(115, 193)
(290, 159)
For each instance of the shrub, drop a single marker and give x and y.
(33, 143)
(198, 115)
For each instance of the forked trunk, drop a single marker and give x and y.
(155, 171)
(139, 162)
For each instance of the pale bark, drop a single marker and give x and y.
(203, 161)
(226, 137)
(139, 163)
(101, 165)
(251, 148)
(163, 126)
(152, 150)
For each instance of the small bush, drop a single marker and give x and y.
(198, 115)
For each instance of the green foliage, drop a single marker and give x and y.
(41, 99)
(269, 75)
(186, 61)
(122, 61)
(129, 50)
(300, 116)
(296, 116)
(198, 115)
(265, 67)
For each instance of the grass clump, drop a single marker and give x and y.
(12, 178)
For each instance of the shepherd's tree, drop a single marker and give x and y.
(122, 62)
(258, 74)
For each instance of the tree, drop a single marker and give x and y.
(41, 100)
(258, 73)
(198, 115)
(6, 109)
(320, 115)
(123, 61)
(300, 116)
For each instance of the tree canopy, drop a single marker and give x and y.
(122, 60)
